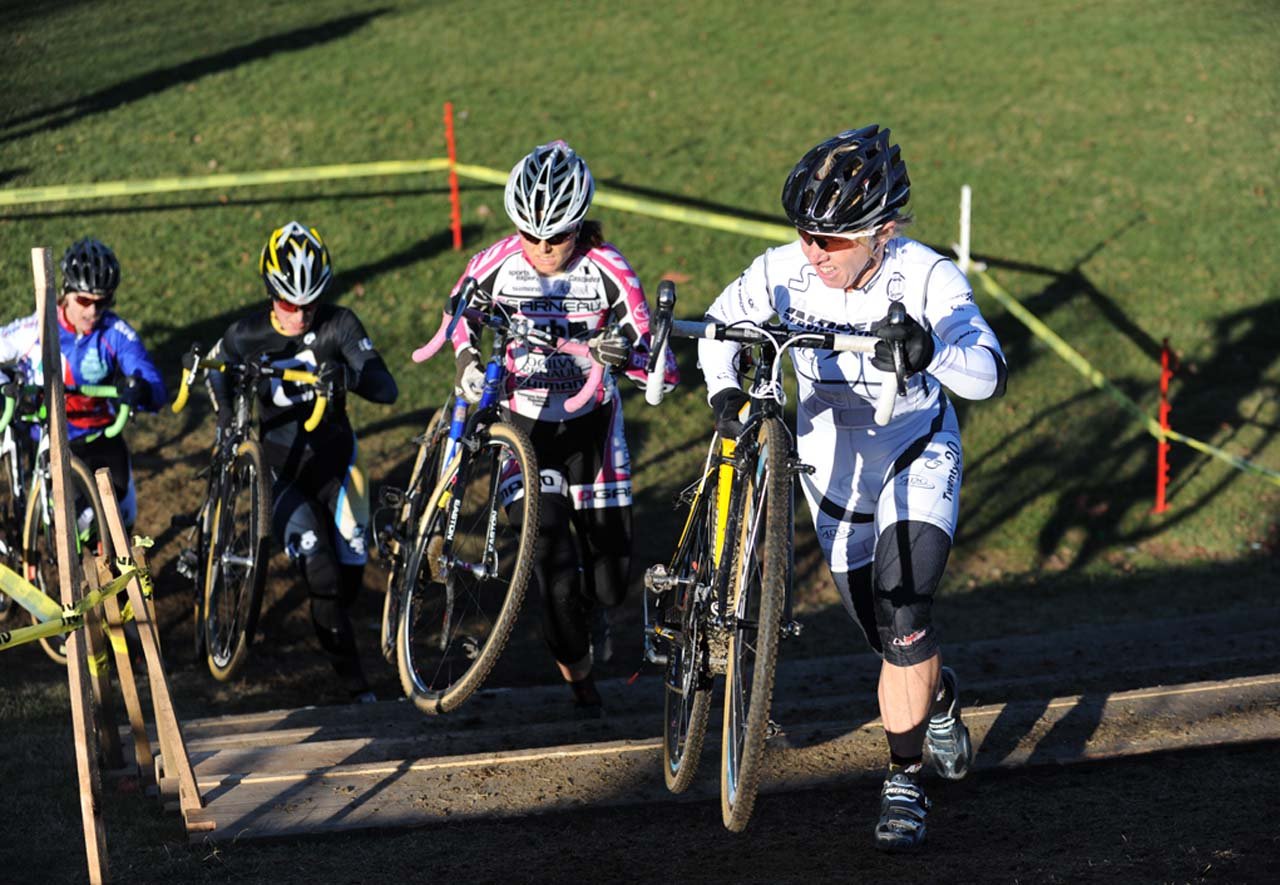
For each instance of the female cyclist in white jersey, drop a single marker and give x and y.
(884, 500)
(557, 271)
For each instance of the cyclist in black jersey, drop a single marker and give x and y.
(320, 509)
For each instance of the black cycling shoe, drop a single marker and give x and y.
(586, 698)
(903, 808)
(946, 741)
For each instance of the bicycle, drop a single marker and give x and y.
(723, 602)
(26, 493)
(226, 559)
(461, 546)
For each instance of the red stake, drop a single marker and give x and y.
(455, 204)
(1162, 447)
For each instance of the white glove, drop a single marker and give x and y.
(469, 381)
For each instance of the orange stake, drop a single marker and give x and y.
(1162, 446)
(455, 204)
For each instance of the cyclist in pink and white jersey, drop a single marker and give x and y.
(557, 271)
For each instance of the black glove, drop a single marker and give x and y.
(133, 391)
(916, 340)
(611, 348)
(335, 378)
(726, 404)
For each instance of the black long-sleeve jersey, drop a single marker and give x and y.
(336, 335)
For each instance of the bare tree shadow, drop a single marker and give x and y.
(56, 116)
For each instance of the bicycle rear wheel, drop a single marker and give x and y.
(426, 470)
(236, 567)
(39, 551)
(687, 684)
(759, 592)
(460, 598)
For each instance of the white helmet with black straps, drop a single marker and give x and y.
(549, 191)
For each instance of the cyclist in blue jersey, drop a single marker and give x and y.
(98, 347)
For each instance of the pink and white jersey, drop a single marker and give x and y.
(596, 288)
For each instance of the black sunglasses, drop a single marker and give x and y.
(557, 240)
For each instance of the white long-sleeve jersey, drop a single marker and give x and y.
(841, 388)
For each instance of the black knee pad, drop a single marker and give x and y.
(861, 604)
(606, 554)
(909, 561)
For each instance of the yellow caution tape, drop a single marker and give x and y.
(1074, 359)
(118, 641)
(99, 664)
(67, 620)
(28, 596)
(655, 209)
(103, 189)
(652, 208)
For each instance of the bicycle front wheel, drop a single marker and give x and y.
(471, 563)
(236, 567)
(426, 470)
(759, 591)
(39, 551)
(12, 513)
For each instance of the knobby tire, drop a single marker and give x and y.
(759, 593)
(40, 553)
(236, 568)
(452, 625)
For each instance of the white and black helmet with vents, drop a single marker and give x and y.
(295, 264)
(549, 191)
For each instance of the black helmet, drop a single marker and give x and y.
(295, 264)
(852, 182)
(90, 266)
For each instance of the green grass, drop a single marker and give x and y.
(1122, 155)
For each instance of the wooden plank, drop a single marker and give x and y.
(416, 791)
(143, 760)
(69, 577)
(173, 747)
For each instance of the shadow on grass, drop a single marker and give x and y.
(56, 116)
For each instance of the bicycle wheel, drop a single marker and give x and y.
(759, 591)
(12, 513)
(236, 567)
(687, 683)
(426, 469)
(39, 551)
(460, 597)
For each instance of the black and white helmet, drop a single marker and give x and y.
(90, 266)
(295, 264)
(855, 181)
(549, 191)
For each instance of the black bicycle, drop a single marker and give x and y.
(26, 493)
(723, 601)
(228, 546)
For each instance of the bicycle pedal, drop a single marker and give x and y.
(390, 496)
(657, 579)
(791, 628)
(187, 563)
(772, 730)
(796, 466)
